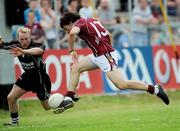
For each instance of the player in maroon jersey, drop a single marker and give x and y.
(104, 57)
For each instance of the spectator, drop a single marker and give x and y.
(121, 39)
(178, 8)
(172, 6)
(37, 32)
(105, 13)
(48, 22)
(32, 6)
(59, 8)
(141, 18)
(86, 10)
(156, 10)
(65, 4)
(72, 6)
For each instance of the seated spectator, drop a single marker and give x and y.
(33, 5)
(86, 10)
(37, 32)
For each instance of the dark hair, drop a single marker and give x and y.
(68, 18)
(70, 1)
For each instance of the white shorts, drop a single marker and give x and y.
(104, 63)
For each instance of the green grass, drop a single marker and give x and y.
(139, 112)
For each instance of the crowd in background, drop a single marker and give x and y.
(42, 18)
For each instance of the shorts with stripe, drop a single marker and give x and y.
(106, 62)
(39, 84)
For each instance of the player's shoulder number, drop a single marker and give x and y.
(99, 33)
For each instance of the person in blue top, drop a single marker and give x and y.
(32, 6)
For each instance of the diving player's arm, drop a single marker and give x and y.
(72, 37)
(111, 40)
(71, 40)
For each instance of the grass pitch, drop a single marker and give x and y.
(140, 112)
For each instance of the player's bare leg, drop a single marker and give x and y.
(13, 96)
(77, 68)
(116, 77)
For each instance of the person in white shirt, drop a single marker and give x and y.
(86, 11)
(141, 18)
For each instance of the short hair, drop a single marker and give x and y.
(23, 30)
(68, 18)
(70, 1)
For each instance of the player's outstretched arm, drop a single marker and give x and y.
(8, 45)
(33, 51)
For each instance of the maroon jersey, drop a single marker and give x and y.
(36, 31)
(95, 35)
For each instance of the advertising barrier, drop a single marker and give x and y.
(156, 64)
(166, 66)
(135, 63)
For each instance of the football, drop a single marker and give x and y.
(55, 100)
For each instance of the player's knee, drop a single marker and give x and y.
(11, 99)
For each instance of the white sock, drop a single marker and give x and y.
(14, 120)
(156, 90)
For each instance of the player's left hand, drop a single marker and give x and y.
(17, 52)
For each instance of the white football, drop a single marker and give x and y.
(55, 100)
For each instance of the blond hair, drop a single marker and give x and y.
(23, 30)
